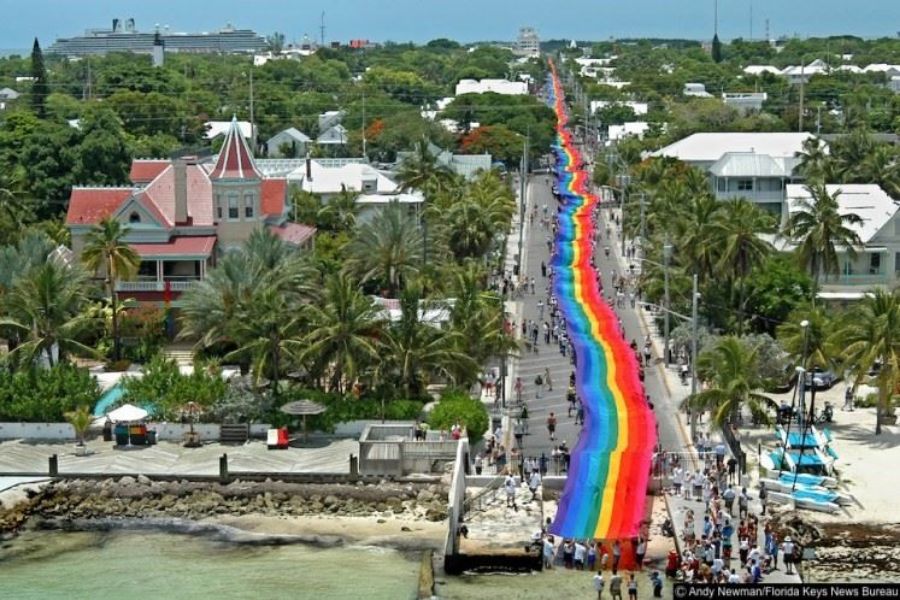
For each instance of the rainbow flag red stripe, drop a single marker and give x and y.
(606, 488)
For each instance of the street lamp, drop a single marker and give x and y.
(623, 180)
(667, 253)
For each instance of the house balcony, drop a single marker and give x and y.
(764, 196)
(857, 280)
(152, 284)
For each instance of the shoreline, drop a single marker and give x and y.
(406, 517)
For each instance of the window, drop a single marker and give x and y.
(875, 263)
(745, 185)
(233, 212)
(896, 262)
(248, 206)
(219, 207)
(134, 218)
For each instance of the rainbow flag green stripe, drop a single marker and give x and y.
(606, 488)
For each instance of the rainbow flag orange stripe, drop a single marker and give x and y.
(606, 487)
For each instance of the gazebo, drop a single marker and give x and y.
(302, 408)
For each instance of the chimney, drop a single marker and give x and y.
(308, 167)
(180, 168)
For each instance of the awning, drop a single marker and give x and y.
(178, 247)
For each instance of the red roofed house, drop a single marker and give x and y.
(183, 212)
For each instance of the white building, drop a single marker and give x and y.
(761, 70)
(755, 166)
(639, 108)
(291, 137)
(376, 190)
(803, 73)
(632, 129)
(497, 86)
(697, 90)
(216, 128)
(7, 95)
(745, 102)
(528, 44)
(877, 262)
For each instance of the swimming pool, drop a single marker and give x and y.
(108, 399)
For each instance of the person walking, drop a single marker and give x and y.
(617, 555)
(763, 496)
(598, 584)
(510, 486)
(540, 307)
(551, 426)
(632, 587)
(538, 385)
(547, 379)
(788, 548)
(615, 586)
(640, 549)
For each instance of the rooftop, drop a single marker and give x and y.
(867, 200)
(710, 147)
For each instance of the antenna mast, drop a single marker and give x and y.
(322, 30)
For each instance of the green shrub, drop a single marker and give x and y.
(39, 395)
(459, 407)
(164, 390)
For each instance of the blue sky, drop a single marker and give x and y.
(464, 20)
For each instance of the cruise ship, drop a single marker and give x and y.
(124, 37)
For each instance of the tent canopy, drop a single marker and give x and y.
(127, 412)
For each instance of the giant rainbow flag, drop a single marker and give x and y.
(607, 481)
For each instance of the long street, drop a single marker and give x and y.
(530, 363)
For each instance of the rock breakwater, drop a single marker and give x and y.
(74, 503)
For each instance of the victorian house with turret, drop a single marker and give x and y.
(183, 213)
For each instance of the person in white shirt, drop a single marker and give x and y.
(534, 483)
(580, 552)
(598, 585)
(688, 483)
(548, 552)
(788, 549)
(510, 485)
(717, 565)
(677, 478)
(734, 578)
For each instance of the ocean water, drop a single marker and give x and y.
(136, 565)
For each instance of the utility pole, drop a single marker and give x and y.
(322, 31)
(694, 335)
(622, 216)
(364, 124)
(252, 121)
(802, 82)
(751, 20)
(667, 251)
(643, 222)
(523, 190)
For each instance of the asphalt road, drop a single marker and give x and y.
(530, 364)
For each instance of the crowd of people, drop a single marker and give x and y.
(721, 541)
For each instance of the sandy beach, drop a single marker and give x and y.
(867, 464)
(367, 531)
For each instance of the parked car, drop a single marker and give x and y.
(823, 379)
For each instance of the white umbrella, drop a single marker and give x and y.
(127, 412)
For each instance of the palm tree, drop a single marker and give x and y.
(811, 346)
(46, 307)
(421, 171)
(697, 250)
(80, 419)
(389, 249)
(818, 228)
(871, 334)
(729, 370)
(477, 317)
(341, 211)
(416, 350)
(106, 251)
(267, 330)
(815, 163)
(345, 330)
(252, 301)
(736, 231)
